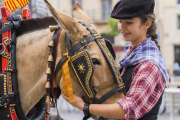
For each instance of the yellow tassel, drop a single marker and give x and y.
(67, 85)
(50, 58)
(49, 71)
(51, 44)
(48, 85)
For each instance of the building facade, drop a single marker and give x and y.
(97, 10)
(167, 14)
(168, 21)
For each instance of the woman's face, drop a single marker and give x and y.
(132, 30)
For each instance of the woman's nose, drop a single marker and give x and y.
(121, 26)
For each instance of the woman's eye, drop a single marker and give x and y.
(129, 22)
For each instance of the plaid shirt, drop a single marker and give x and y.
(147, 86)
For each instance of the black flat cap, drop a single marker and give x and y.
(126, 9)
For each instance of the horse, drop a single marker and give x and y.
(32, 54)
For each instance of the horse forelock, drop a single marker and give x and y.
(35, 24)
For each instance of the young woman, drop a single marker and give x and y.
(143, 70)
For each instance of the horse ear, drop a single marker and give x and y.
(68, 23)
(79, 13)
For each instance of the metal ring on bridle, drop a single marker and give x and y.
(9, 40)
(2, 51)
(3, 104)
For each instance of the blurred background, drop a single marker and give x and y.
(168, 29)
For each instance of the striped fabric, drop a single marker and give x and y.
(10, 4)
(13, 4)
(146, 88)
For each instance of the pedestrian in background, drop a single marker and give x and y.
(176, 69)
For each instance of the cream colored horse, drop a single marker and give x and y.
(32, 54)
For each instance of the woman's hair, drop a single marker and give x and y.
(151, 32)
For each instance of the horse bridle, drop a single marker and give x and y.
(81, 62)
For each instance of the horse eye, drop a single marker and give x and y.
(95, 61)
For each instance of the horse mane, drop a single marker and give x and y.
(35, 24)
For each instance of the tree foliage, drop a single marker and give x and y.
(113, 25)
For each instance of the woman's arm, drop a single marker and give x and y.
(105, 110)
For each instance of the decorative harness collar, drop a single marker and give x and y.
(10, 103)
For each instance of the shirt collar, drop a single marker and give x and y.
(132, 48)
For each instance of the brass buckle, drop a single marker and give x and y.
(84, 42)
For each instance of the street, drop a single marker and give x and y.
(67, 112)
(166, 116)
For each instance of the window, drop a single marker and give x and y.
(106, 9)
(38, 8)
(178, 1)
(78, 1)
(74, 1)
(177, 54)
(178, 21)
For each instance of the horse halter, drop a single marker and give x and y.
(82, 65)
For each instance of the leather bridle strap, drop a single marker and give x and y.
(81, 44)
(68, 41)
(0, 47)
(51, 64)
(77, 46)
(7, 28)
(15, 24)
(12, 91)
(60, 63)
(107, 95)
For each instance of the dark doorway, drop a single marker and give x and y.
(106, 9)
(177, 53)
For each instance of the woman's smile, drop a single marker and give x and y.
(125, 34)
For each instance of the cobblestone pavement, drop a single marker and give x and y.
(68, 112)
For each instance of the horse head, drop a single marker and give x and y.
(103, 79)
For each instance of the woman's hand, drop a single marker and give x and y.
(78, 102)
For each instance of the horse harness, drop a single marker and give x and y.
(82, 65)
(80, 62)
(10, 104)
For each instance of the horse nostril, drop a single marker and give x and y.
(95, 61)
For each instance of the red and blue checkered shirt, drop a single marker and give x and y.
(146, 88)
